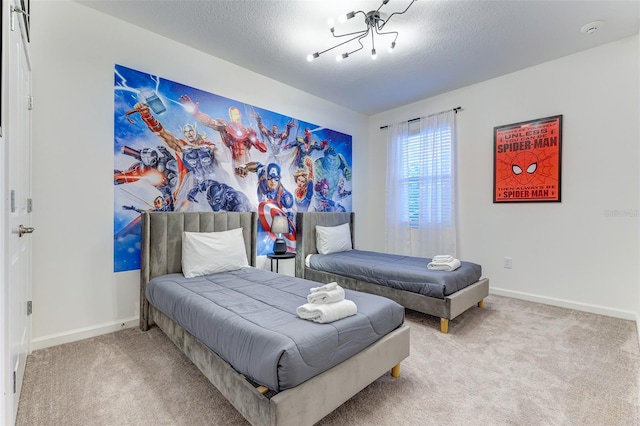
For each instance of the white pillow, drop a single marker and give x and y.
(333, 239)
(210, 252)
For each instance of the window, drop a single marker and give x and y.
(425, 175)
(420, 214)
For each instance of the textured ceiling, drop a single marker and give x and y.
(443, 44)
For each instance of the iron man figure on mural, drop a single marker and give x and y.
(235, 135)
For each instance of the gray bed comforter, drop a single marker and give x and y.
(401, 272)
(248, 317)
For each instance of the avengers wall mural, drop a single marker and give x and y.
(178, 148)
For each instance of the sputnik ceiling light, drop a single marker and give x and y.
(374, 24)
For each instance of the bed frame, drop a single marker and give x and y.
(305, 404)
(447, 308)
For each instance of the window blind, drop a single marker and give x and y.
(427, 166)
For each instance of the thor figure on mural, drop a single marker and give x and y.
(196, 156)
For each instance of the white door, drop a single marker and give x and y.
(17, 231)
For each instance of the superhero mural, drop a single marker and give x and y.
(177, 148)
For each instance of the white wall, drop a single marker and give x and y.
(571, 253)
(74, 48)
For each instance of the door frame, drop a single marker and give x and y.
(9, 401)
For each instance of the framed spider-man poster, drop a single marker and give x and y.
(527, 158)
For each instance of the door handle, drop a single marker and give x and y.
(22, 230)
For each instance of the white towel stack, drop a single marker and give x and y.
(328, 293)
(444, 262)
(326, 304)
(442, 258)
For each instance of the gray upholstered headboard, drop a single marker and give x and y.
(306, 233)
(161, 242)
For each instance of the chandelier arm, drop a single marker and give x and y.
(387, 33)
(348, 34)
(355, 32)
(396, 13)
(352, 14)
(361, 45)
(360, 35)
(382, 4)
(363, 13)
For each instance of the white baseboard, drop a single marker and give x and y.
(585, 307)
(83, 333)
(638, 327)
(87, 332)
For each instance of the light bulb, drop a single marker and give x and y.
(331, 22)
(374, 55)
(393, 45)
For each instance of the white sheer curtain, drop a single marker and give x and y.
(421, 217)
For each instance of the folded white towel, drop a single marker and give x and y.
(327, 296)
(325, 287)
(327, 312)
(449, 266)
(442, 258)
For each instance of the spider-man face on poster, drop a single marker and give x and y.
(527, 159)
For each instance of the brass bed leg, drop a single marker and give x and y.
(481, 303)
(444, 325)
(262, 389)
(395, 371)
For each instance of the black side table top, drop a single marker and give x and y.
(287, 255)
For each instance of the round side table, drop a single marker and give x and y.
(277, 257)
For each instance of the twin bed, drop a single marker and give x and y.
(401, 278)
(239, 324)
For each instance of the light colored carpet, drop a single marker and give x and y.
(511, 363)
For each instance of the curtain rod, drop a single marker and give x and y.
(456, 109)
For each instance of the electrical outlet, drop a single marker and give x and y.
(507, 262)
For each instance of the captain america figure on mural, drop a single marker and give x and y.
(274, 199)
(269, 186)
